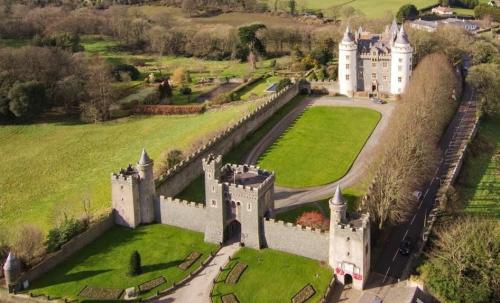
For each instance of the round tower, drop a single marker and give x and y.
(401, 62)
(338, 208)
(11, 270)
(147, 190)
(348, 51)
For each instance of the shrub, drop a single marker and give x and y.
(223, 98)
(313, 219)
(29, 244)
(407, 12)
(135, 264)
(165, 89)
(27, 99)
(61, 234)
(173, 158)
(283, 83)
(121, 69)
(180, 76)
(152, 98)
(185, 90)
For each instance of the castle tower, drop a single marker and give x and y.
(349, 252)
(11, 270)
(401, 62)
(133, 193)
(214, 200)
(348, 51)
(147, 190)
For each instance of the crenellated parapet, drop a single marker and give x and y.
(297, 227)
(170, 200)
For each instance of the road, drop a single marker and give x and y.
(392, 264)
(290, 197)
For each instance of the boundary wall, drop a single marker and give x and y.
(181, 175)
(297, 239)
(69, 249)
(189, 215)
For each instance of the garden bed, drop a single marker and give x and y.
(236, 273)
(101, 293)
(304, 294)
(189, 260)
(230, 298)
(151, 284)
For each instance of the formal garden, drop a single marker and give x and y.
(103, 270)
(267, 275)
(323, 137)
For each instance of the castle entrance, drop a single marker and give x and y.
(232, 232)
(347, 279)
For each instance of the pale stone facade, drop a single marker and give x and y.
(374, 63)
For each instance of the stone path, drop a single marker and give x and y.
(198, 289)
(289, 197)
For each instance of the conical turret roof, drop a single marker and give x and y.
(394, 27)
(11, 262)
(402, 37)
(144, 158)
(338, 198)
(347, 35)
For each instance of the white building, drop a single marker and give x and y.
(373, 63)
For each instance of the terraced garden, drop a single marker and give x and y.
(270, 276)
(104, 263)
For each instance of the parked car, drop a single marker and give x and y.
(406, 246)
(377, 100)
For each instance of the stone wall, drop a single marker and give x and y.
(5, 297)
(297, 239)
(188, 215)
(177, 178)
(69, 249)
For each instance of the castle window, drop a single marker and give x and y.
(400, 68)
(214, 203)
(348, 254)
(213, 189)
(209, 175)
(249, 206)
(384, 64)
(374, 64)
(347, 66)
(385, 78)
(374, 76)
(366, 249)
(400, 79)
(347, 57)
(348, 239)
(400, 60)
(347, 77)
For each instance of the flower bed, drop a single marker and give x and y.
(148, 285)
(304, 294)
(101, 293)
(189, 260)
(236, 273)
(230, 298)
(170, 109)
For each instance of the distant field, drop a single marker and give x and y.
(480, 177)
(320, 147)
(48, 168)
(371, 8)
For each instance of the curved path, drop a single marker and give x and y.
(288, 197)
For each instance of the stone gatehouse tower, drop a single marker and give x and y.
(349, 251)
(238, 197)
(133, 193)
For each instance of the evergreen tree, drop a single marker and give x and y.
(135, 264)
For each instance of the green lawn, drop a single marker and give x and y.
(320, 147)
(104, 263)
(480, 179)
(273, 276)
(196, 192)
(258, 89)
(352, 195)
(48, 168)
(372, 9)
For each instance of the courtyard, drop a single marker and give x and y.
(104, 263)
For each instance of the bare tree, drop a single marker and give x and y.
(29, 245)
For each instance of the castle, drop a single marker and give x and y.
(375, 64)
(239, 205)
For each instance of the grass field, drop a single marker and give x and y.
(104, 263)
(48, 168)
(257, 89)
(273, 276)
(320, 147)
(196, 192)
(480, 178)
(372, 9)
